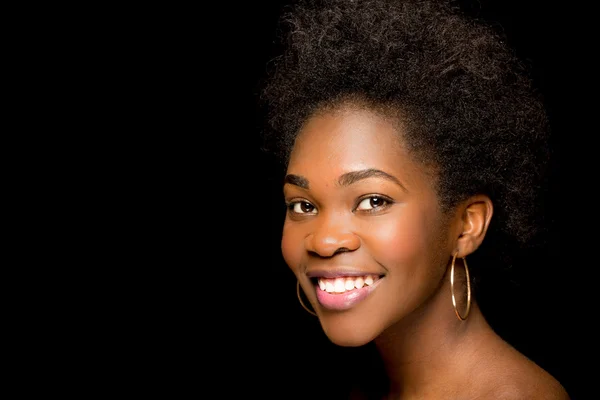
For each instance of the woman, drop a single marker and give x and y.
(415, 149)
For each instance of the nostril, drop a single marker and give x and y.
(341, 250)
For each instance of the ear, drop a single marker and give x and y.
(476, 214)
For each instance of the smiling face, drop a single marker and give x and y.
(364, 233)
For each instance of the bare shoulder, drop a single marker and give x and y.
(516, 378)
(530, 388)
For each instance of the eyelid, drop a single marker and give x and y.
(387, 199)
(290, 204)
(297, 200)
(371, 195)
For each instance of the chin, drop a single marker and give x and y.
(348, 342)
(347, 336)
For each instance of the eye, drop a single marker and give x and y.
(372, 202)
(302, 207)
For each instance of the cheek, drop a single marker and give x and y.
(401, 241)
(291, 247)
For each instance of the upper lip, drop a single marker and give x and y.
(336, 272)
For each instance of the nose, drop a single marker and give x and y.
(331, 236)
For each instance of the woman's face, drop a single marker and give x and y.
(363, 233)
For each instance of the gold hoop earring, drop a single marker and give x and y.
(300, 299)
(468, 289)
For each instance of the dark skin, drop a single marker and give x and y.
(359, 206)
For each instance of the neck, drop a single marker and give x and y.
(432, 347)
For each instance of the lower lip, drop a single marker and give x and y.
(346, 300)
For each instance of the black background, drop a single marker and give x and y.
(219, 297)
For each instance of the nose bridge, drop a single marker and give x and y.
(333, 231)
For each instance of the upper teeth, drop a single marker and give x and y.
(340, 285)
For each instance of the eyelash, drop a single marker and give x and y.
(387, 202)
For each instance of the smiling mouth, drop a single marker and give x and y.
(345, 284)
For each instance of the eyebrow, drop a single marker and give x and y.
(346, 179)
(296, 180)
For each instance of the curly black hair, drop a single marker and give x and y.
(467, 103)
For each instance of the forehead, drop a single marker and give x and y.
(349, 129)
(350, 139)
